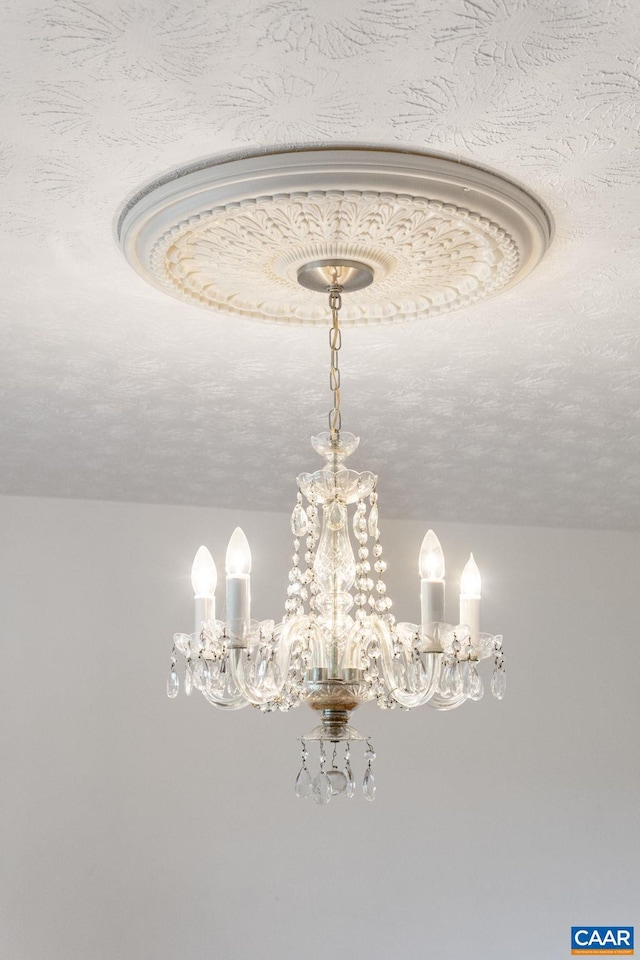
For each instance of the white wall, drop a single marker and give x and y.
(136, 827)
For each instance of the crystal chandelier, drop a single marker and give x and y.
(251, 237)
(338, 644)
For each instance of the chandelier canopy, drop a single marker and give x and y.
(390, 232)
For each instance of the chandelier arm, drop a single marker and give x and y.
(225, 693)
(261, 674)
(397, 667)
(425, 691)
(234, 701)
(218, 685)
(255, 694)
(440, 702)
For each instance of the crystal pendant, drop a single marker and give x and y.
(206, 672)
(173, 684)
(369, 785)
(321, 788)
(499, 683)
(360, 524)
(445, 680)
(336, 515)
(338, 781)
(466, 678)
(373, 521)
(299, 521)
(350, 789)
(303, 784)
(196, 645)
(198, 674)
(476, 686)
(182, 643)
(188, 679)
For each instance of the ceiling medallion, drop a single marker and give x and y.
(389, 233)
(434, 233)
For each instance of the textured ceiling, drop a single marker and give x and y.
(523, 410)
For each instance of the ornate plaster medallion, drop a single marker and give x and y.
(232, 236)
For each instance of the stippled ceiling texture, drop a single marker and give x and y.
(524, 410)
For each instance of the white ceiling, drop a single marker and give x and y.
(524, 410)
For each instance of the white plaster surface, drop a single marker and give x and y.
(132, 826)
(524, 410)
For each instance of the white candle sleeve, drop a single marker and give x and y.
(238, 606)
(470, 614)
(205, 609)
(470, 592)
(204, 578)
(432, 601)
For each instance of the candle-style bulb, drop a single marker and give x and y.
(470, 583)
(238, 559)
(204, 575)
(431, 559)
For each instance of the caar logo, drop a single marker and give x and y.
(605, 941)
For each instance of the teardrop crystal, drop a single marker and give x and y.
(173, 684)
(351, 787)
(303, 784)
(337, 780)
(299, 521)
(206, 672)
(373, 521)
(369, 785)
(499, 683)
(188, 679)
(321, 789)
(336, 515)
(198, 673)
(445, 680)
(476, 686)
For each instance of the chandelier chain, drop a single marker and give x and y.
(335, 343)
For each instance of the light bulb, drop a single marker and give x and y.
(238, 560)
(204, 575)
(470, 583)
(431, 559)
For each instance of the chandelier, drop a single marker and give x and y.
(323, 227)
